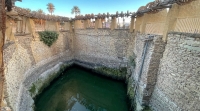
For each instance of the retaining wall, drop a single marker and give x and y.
(148, 51)
(178, 86)
(25, 59)
(107, 47)
(166, 80)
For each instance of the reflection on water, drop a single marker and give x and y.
(79, 90)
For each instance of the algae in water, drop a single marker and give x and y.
(112, 72)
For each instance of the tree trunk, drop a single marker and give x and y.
(2, 37)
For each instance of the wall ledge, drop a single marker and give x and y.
(194, 35)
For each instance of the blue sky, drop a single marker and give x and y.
(63, 7)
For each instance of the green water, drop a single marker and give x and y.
(80, 90)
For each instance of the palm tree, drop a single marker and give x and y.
(50, 8)
(76, 10)
(40, 11)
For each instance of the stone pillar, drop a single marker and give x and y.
(154, 22)
(143, 24)
(25, 25)
(71, 26)
(77, 24)
(86, 23)
(132, 24)
(113, 23)
(57, 25)
(66, 26)
(31, 28)
(52, 26)
(21, 25)
(170, 21)
(98, 23)
(138, 23)
(9, 35)
(18, 27)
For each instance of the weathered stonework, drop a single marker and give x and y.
(103, 46)
(28, 60)
(167, 79)
(25, 59)
(15, 68)
(145, 72)
(169, 85)
(177, 87)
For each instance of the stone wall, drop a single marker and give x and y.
(166, 80)
(103, 46)
(177, 87)
(148, 51)
(25, 58)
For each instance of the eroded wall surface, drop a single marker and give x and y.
(25, 58)
(167, 81)
(177, 87)
(148, 51)
(103, 46)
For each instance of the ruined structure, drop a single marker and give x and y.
(163, 37)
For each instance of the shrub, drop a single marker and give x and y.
(48, 37)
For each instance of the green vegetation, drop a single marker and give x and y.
(32, 89)
(47, 81)
(48, 37)
(146, 108)
(130, 88)
(43, 82)
(132, 60)
(112, 72)
(131, 95)
(131, 92)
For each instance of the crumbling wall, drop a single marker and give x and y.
(103, 46)
(148, 51)
(178, 78)
(25, 59)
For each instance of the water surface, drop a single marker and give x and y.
(80, 90)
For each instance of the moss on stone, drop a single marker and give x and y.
(51, 77)
(37, 87)
(132, 60)
(146, 108)
(32, 89)
(131, 93)
(112, 72)
(46, 82)
(130, 89)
